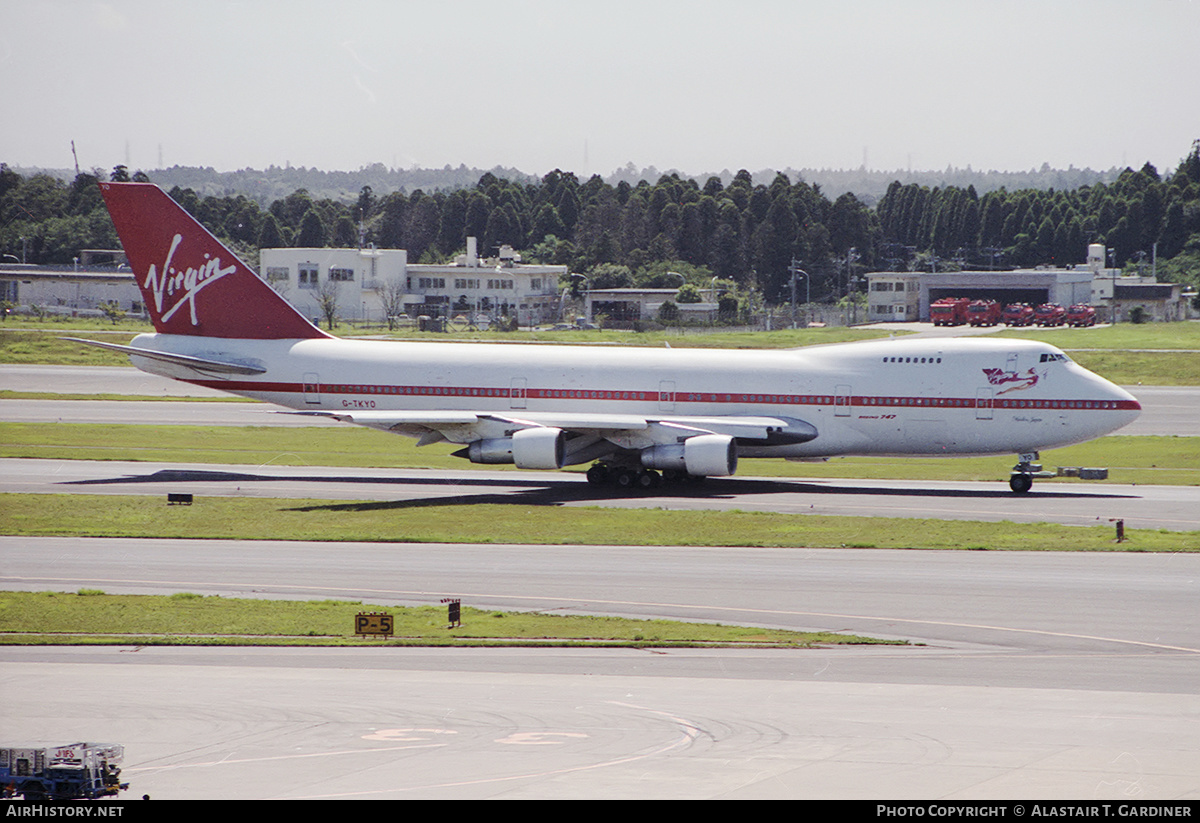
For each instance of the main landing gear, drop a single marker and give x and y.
(633, 478)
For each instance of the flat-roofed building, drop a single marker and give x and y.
(68, 290)
(500, 286)
(921, 289)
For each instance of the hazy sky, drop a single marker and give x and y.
(589, 86)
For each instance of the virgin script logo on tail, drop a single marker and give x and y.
(182, 286)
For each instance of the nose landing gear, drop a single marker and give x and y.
(1023, 473)
(1020, 483)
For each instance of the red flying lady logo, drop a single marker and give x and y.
(998, 377)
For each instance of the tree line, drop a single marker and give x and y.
(1133, 214)
(745, 237)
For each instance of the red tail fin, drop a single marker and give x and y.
(191, 283)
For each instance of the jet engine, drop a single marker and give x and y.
(535, 448)
(706, 455)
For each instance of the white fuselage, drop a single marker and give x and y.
(898, 397)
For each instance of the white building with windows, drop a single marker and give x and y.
(893, 297)
(365, 279)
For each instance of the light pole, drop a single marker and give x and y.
(851, 256)
(795, 269)
(682, 283)
(1112, 262)
(586, 293)
(855, 282)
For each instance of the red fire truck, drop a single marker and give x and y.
(1081, 314)
(1018, 314)
(949, 311)
(984, 312)
(1050, 314)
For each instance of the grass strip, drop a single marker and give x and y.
(1125, 336)
(1146, 460)
(1147, 368)
(424, 521)
(91, 617)
(45, 348)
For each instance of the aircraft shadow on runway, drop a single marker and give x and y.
(573, 489)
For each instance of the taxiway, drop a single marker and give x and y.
(1039, 675)
(1158, 507)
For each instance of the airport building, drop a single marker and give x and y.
(97, 278)
(893, 296)
(1157, 302)
(367, 281)
(907, 296)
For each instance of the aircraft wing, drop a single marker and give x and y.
(623, 430)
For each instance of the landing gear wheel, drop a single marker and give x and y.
(1020, 483)
(649, 479)
(626, 479)
(597, 475)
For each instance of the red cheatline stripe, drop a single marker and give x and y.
(611, 395)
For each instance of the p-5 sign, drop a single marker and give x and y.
(374, 624)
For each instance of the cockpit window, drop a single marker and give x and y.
(1050, 358)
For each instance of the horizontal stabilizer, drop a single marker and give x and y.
(198, 363)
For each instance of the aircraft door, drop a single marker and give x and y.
(841, 401)
(983, 404)
(312, 388)
(666, 395)
(517, 393)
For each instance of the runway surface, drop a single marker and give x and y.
(1042, 676)
(1142, 507)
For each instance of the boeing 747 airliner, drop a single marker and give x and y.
(640, 414)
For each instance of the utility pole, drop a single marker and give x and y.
(1112, 261)
(795, 269)
(852, 256)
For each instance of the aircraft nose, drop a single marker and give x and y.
(1127, 407)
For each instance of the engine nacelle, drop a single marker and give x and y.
(536, 448)
(540, 448)
(706, 455)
